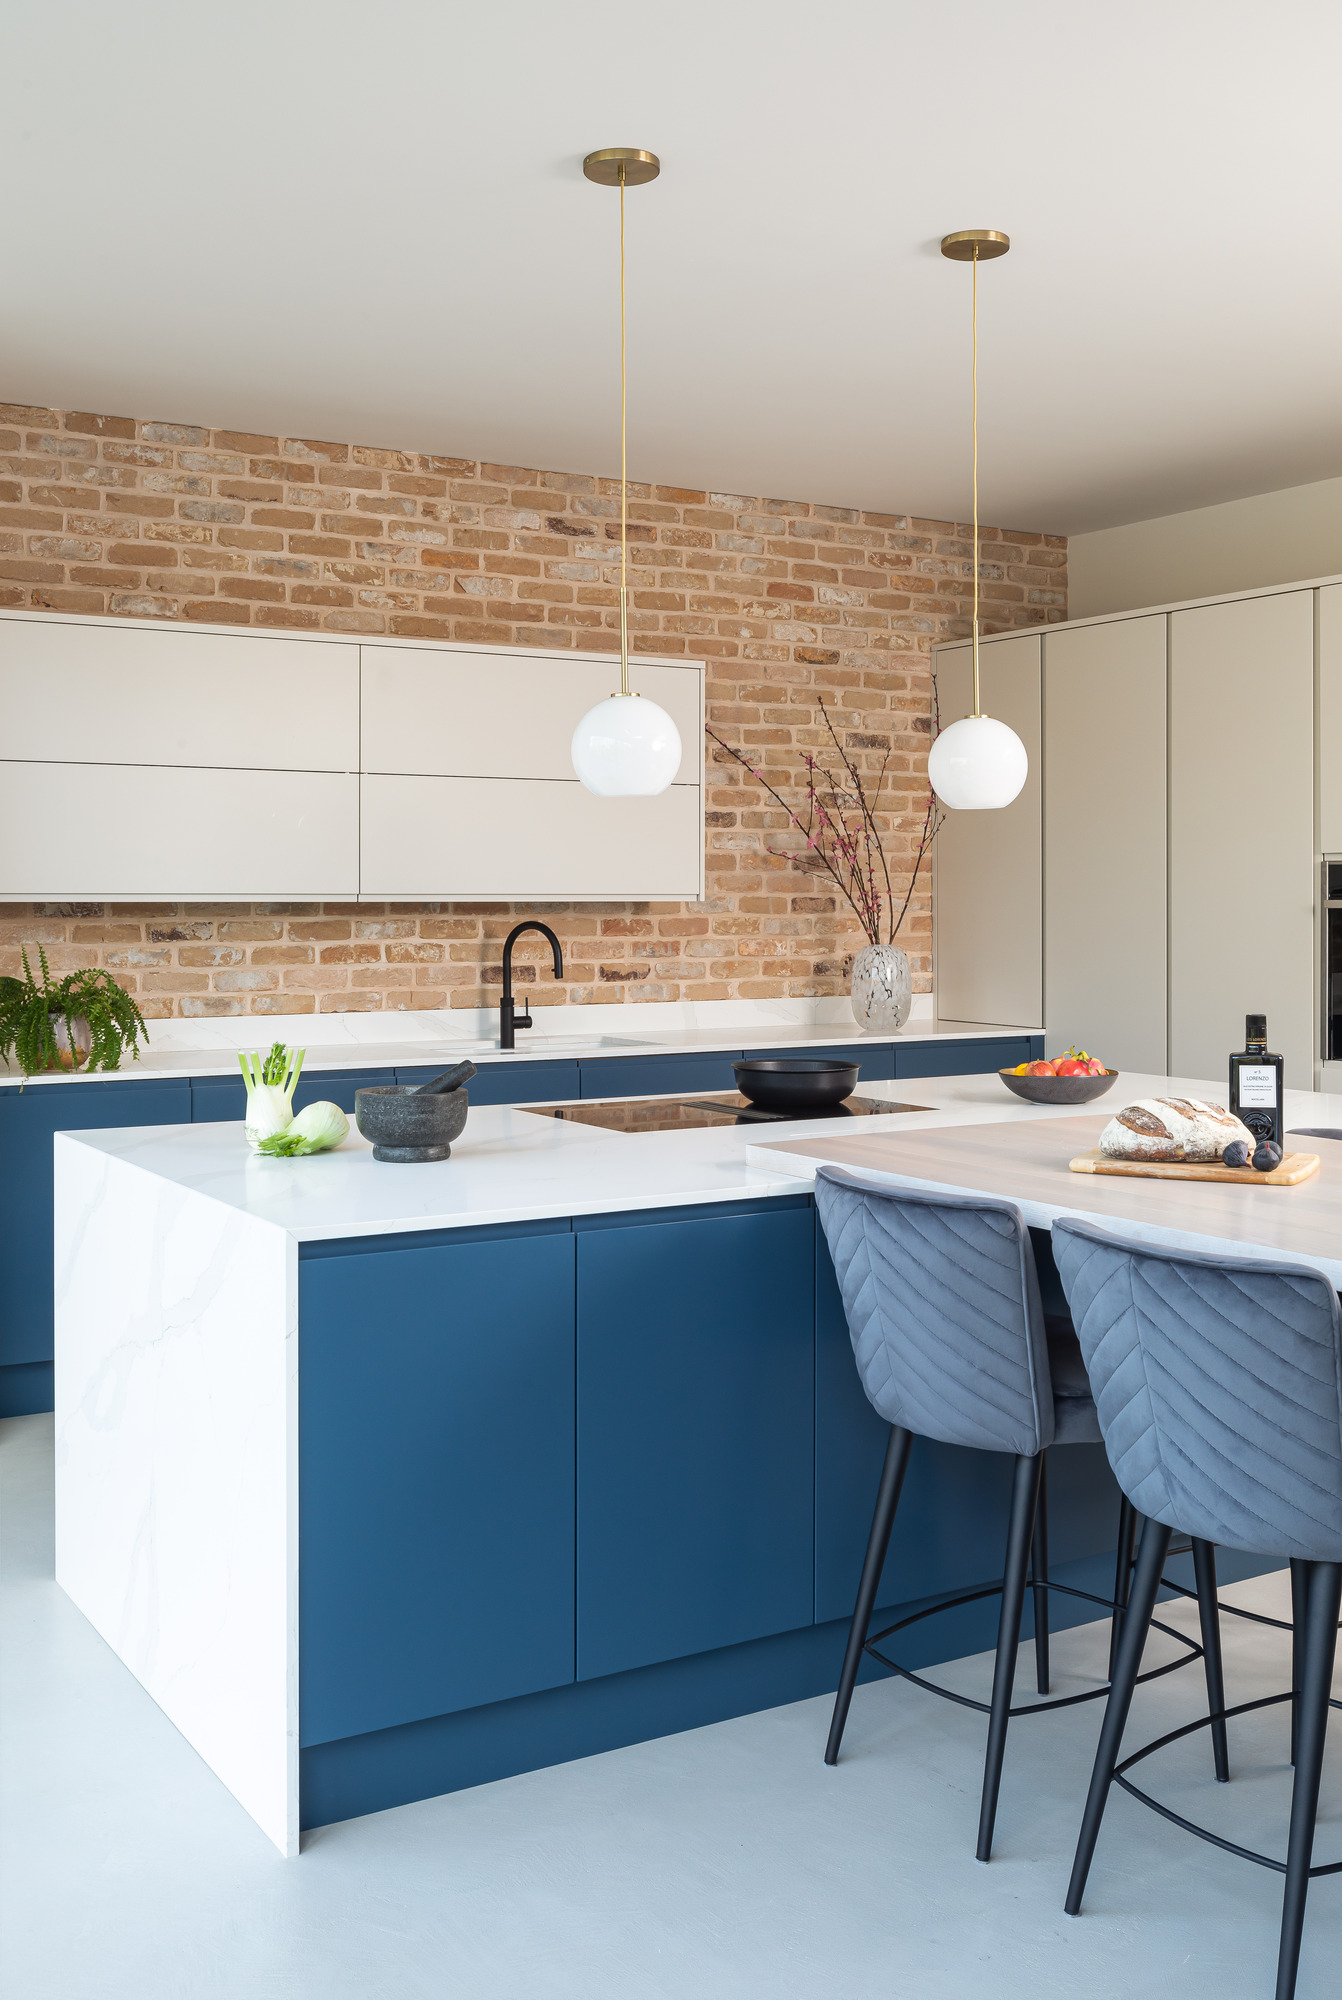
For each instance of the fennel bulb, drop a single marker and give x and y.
(270, 1088)
(317, 1128)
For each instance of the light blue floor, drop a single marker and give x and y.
(724, 1864)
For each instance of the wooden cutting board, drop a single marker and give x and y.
(1294, 1168)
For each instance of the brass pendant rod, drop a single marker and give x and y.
(624, 474)
(975, 400)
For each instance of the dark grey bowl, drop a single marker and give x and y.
(796, 1083)
(1058, 1089)
(405, 1125)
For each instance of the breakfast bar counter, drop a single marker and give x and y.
(385, 1480)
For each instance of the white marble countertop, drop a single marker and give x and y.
(539, 1044)
(512, 1165)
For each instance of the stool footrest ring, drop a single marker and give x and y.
(1194, 1651)
(1191, 1826)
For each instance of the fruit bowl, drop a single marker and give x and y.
(1058, 1089)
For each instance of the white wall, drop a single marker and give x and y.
(1282, 537)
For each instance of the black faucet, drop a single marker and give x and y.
(509, 1018)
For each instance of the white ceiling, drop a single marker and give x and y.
(334, 218)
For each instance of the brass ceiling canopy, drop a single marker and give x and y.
(965, 246)
(627, 165)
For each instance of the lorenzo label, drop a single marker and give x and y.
(1257, 1087)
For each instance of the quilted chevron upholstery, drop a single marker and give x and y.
(942, 1299)
(1218, 1387)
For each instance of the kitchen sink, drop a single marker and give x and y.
(542, 1045)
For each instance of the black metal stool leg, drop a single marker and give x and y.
(1325, 1597)
(1299, 1610)
(1039, 1579)
(1020, 1534)
(878, 1541)
(1127, 1535)
(1204, 1575)
(1136, 1624)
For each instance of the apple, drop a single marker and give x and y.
(1068, 1066)
(1040, 1069)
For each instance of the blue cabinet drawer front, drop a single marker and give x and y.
(218, 1098)
(972, 1058)
(654, 1076)
(875, 1060)
(436, 1480)
(695, 1436)
(28, 1118)
(521, 1083)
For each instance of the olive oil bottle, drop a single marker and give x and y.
(1255, 1082)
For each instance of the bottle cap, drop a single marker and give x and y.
(1255, 1027)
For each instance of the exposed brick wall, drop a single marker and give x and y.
(786, 600)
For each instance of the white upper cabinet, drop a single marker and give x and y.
(987, 866)
(469, 790)
(499, 712)
(1105, 916)
(1242, 857)
(104, 691)
(142, 761)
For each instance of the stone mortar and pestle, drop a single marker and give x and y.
(410, 1122)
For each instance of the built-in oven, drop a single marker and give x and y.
(1332, 960)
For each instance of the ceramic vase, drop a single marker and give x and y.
(882, 988)
(74, 1040)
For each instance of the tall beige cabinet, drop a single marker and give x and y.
(1241, 816)
(1164, 878)
(1104, 786)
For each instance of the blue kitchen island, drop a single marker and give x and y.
(391, 1480)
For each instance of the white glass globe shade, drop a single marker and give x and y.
(625, 748)
(977, 765)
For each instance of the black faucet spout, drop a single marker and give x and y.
(509, 1018)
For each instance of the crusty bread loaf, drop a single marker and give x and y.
(1171, 1128)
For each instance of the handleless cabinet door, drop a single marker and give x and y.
(1242, 832)
(503, 713)
(987, 917)
(110, 692)
(522, 839)
(125, 832)
(1105, 915)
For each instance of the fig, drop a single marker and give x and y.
(1236, 1154)
(1267, 1155)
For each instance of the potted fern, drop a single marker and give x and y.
(84, 1021)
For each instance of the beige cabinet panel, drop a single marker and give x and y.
(1104, 842)
(108, 692)
(500, 712)
(987, 921)
(105, 831)
(1330, 719)
(526, 840)
(1242, 873)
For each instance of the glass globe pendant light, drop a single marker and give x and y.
(625, 747)
(978, 763)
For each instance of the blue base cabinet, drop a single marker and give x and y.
(569, 1487)
(436, 1477)
(695, 1415)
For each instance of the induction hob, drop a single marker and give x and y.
(716, 1108)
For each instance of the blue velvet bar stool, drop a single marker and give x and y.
(951, 1340)
(1218, 1385)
